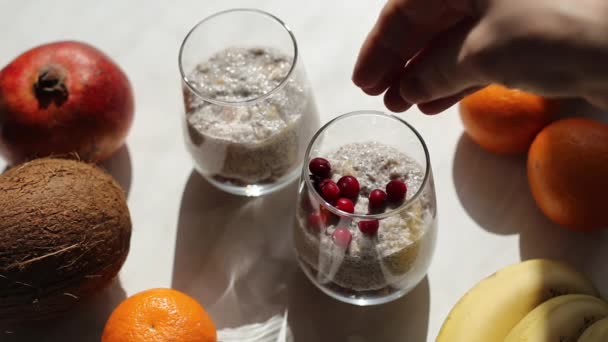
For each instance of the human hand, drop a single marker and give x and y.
(556, 48)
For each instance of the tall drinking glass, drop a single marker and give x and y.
(371, 239)
(249, 109)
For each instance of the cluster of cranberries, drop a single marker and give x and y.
(343, 195)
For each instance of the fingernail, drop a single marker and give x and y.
(412, 91)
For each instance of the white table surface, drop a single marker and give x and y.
(232, 253)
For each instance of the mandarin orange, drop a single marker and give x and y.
(505, 121)
(159, 315)
(568, 173)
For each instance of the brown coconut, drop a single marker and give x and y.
(64, 234)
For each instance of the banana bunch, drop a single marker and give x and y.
(598, 332)
(533, 301)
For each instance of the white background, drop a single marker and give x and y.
(232, 253)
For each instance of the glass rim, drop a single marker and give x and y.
(367, 217)
(255, 99)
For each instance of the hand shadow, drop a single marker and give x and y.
(314, 316)
(82, 324)
(119, 166)
(492, 189)
(233, 253)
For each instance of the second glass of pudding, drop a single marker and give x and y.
(366, 219)
(249, 109)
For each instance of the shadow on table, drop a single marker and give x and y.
(120, 167)
(233, 253)
(580, 108)
(587, 252)
(314, 316)
(495, 193)
(492, 189)
(83, 323)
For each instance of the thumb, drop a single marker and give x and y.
(442, 70)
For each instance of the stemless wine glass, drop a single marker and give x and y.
(376, 254)
(249, 109)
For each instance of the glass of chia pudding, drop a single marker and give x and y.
(249, 109)
(366, 219)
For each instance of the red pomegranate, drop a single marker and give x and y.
(63, 98)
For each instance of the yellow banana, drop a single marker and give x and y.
(559, 319)
(598, 332)
(489, 311)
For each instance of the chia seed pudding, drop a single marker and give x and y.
(375, 263)
(250, 139)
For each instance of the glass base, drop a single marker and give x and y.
(254, 190)
(359, 298)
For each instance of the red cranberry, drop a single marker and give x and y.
(349, 186)
(319, 182)
(322, 182)
(396, 190)
(346, 205)
(317, 221)
(369, 227)
(377, 199)
(342, 237)
(329, 191)
(320, 167)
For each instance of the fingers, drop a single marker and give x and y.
(439, 72)
(598, 100)
(378, 56)
(388, 71)
(438, 106)
(394, 102)
(403, 28)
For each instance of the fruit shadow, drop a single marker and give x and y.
(314, 316)
(492, 189)
(84, 323)
(495, 193)
(120, 167)
(234, 254)
(585, 251)
(580, 108)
